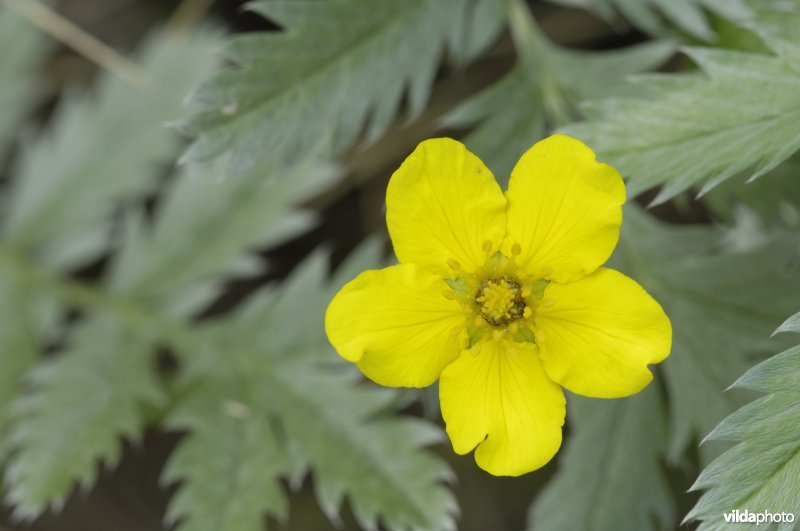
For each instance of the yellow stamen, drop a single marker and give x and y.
(546, 271)
(453, 264)
(448, 294)
(497, 300)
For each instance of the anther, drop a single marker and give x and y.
(453, 264)
(498, 334)
(476, 351)
(546, 271)
(526, 313)
(448, 294)
(548, 302)
(516, 249)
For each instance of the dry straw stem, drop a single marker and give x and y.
(80, 41)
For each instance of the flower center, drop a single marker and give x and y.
(500, 301)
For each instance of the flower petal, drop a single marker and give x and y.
(596, 336)
(502, 401)
(396, 324)
(442, 204)
(564, 209)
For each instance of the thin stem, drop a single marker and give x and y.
(80, 41)
(85, 296)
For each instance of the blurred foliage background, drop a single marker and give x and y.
(174, 222)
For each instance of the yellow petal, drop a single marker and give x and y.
(442, 204)
(396, 324)
(596, 336)
(564, 209)
(502, 401)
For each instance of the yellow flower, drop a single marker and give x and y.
(502, 297)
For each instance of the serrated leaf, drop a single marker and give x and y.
(723, 305)
(694, 131)
(83, 403)
(610, 475)
(315, 416)
(761, 472)
(18, 345)
(511, 115)
(206, 228)
(101, 148)
(688, 15)
(230, 448)
(23, 45)
(774, 198)
(335, 64)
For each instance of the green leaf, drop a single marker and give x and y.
(231, 448)
(336, 64)
(722, 304)
(761, 472)
(510, 115)
(99, 149)
(23, 49)
(775, 198)
(18, 345)
(205, 229)
(85, 400)
(296, 414)
(687, 15)
(696, 130)
(610, 475)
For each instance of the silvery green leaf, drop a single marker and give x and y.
(101, 148)
(510, 116)
(611, 474)
(695, 130)
(761, 472)
(335, 66)
(723, 304)
(254, 397)
(83, 402)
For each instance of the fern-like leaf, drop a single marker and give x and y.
(336, 63)
(622, 443)
(698, 130)
(85, 401)
(178, 265)
(101, 148)
(510, 115)
(761, 472)
(722, 303)
(312, 414)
